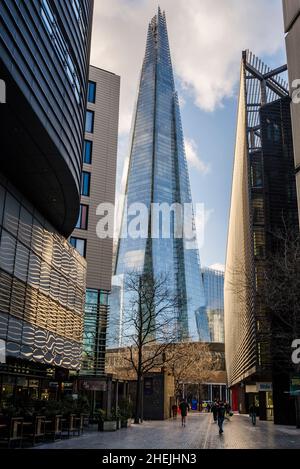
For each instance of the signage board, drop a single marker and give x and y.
(264, 387)
(93, 385)
(295, 385)
(251, 389)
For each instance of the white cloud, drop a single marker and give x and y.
(191, 151)
(220, 267)
(202, 217)
(206, 40)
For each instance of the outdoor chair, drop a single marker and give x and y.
(35, 430)
(11, 431)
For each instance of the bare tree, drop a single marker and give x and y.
(193, 363)
(277, 292)
(149, 325)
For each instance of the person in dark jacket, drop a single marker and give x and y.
(215, 411)
(221, 416)
(253, 413)
(184, 408)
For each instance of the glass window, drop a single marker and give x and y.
(11, 214)
(79, 245)
(21, 264)
(2, 198)
(89, 122)
(91, 92)
(82, 222)
(61, 47)
(25, 226)
(85, 183)
(87, 152)
(7, 252)
(91, 297)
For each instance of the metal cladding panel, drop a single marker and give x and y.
(42, 286)
(239, 315)
(44, 59)
(291, 8)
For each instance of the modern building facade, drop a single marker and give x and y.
(158, 174)
(213, 281)
(291, 10)
(263, 202)
(44, 60)
(98, 186)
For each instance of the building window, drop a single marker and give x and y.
(89, 122)
(91, 92)
(61, 47)
(82, 222)
(85, 183)
(87, 152)
(79, 245)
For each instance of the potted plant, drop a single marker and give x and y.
(125, 407)
(106, 423)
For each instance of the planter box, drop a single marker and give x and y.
(126, 423)
(107, 426)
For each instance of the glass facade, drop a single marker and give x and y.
(42, 286)
(89, 122)
(91, 92)
(213, 281)
(79, 244)
(87, 152)
(85, 183)
(158, 173)
(94, 332)
(82, 222)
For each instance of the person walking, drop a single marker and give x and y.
(215, 411)
(184, 408)
(221, 416)
(174, 411)
(253, 413)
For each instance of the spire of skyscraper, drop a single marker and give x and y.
(158, 174)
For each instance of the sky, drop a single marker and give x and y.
(206, 41)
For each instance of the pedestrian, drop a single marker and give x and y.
(221, 416)
(215, 411)
(174, 411)
(253, 413)
(184, 408)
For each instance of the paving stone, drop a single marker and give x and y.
(200, 433)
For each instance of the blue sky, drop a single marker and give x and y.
(206, 58)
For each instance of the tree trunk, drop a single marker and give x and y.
(137, 399)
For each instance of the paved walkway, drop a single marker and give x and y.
(200, 433)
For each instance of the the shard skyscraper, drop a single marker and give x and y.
(158, 174)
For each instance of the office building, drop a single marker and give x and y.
(158, 174)
(44, 59)
(291, 10)
(263, 202)
(98, 186)
(213, 281)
